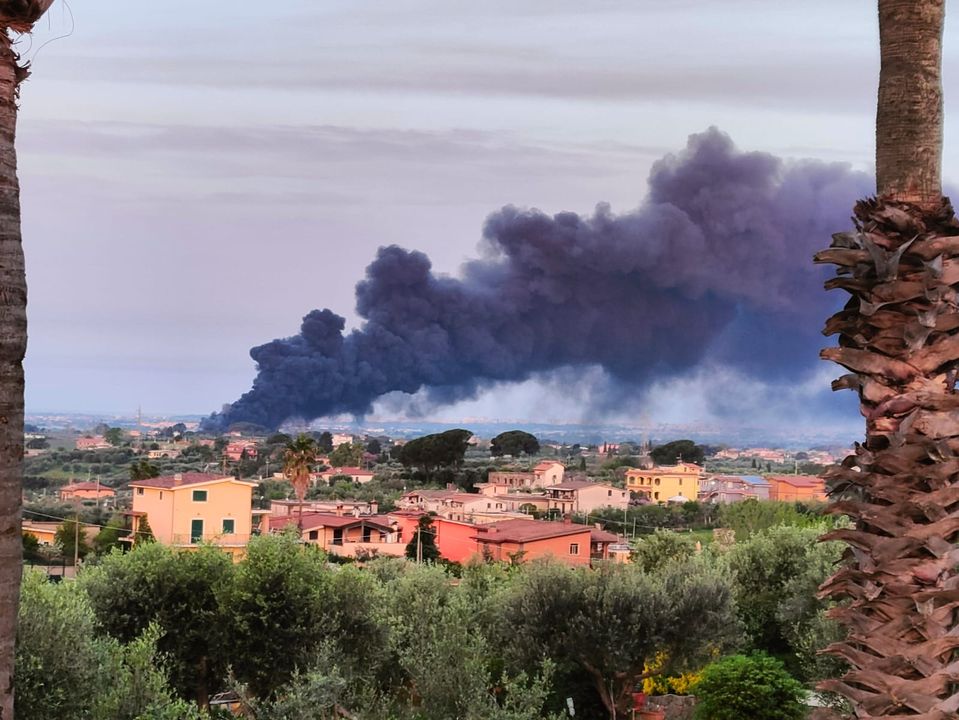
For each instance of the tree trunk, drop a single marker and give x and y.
(13, 340)
(15, 16)
(899, 337)
(909, 114)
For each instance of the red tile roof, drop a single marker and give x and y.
(187, 478)
(87, 486)
(347, 471)
(527, 530)
(799, 480)
(601, 536)
(313, 520)
(546, 465)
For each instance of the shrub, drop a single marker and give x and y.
(755, 686)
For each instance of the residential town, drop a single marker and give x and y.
(362, 501)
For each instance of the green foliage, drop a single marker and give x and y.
(114, 436)
(71, 539)
(515, 443)
(775, 572)
(755, 687)
(299, 456)
(65, 669)
(277, 603)
(662, 548)
(309, 695)
(324, 443)
(143, 469)
(752, 516)
(31, 548)
(673, 452)
(422, 546)
(606, 625)
(144, 533)
(179, 593)
(109, 537)
(429, 452)
(347, 455)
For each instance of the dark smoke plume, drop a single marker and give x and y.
(715, 266)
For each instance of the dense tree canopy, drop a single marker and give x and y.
(678, 451)
(515, 443)
(445, 449)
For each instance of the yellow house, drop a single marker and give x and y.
(669, 483)
(188, 508)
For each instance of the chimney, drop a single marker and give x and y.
(374, 507)
(339, 510)
(177, 479)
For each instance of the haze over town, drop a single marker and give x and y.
(241, 227)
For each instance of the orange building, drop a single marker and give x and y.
(85, 491)
(519, 539)
(792, 488)
(188, 508)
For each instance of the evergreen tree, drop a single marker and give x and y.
(422, 545)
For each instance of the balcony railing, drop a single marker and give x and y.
(222, 539)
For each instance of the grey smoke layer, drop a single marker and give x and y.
(714, 267)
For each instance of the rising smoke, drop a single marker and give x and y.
(713, 268)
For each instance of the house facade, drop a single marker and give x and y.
(185, 509)
(722, 489)
(85, 491)
(356, 474)
(795, 488)
(344, 535)
(668, 483)
(582, 496)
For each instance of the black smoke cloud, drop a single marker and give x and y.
(714, 268)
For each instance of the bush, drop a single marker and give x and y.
(755, 686)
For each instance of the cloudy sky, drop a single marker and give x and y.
(198, 175)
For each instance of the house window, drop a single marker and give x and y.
(367, 534)
(680, 481)
(161, 494)
(609, 493)
(314, 534)
(196, 530)
(574, 548)
(657, 481)
(338, 536)
(229, 526)
(656, 496)
(139, 491)
(199, 496)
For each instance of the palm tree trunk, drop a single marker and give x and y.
(899, 337)
(13, 340)
(15, 16)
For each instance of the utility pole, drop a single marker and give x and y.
(76, 543)
(98, 497)
(419, 545)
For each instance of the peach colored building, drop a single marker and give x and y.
(582, 496)
(235, 450)
(97, 442)
(356, 474)
(45, 532)
(85, 491)
(667, 483)
(188, 508)
(792, 488)
(343, 534)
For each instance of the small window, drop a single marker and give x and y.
(609, 493)
(657, 481)
(161, 494)
(314, 534)
(574, 548)
(656, 496)
(229, 526)
(680, 481)
(139, 491)
(199, 496)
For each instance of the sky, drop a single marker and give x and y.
(198, 176)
